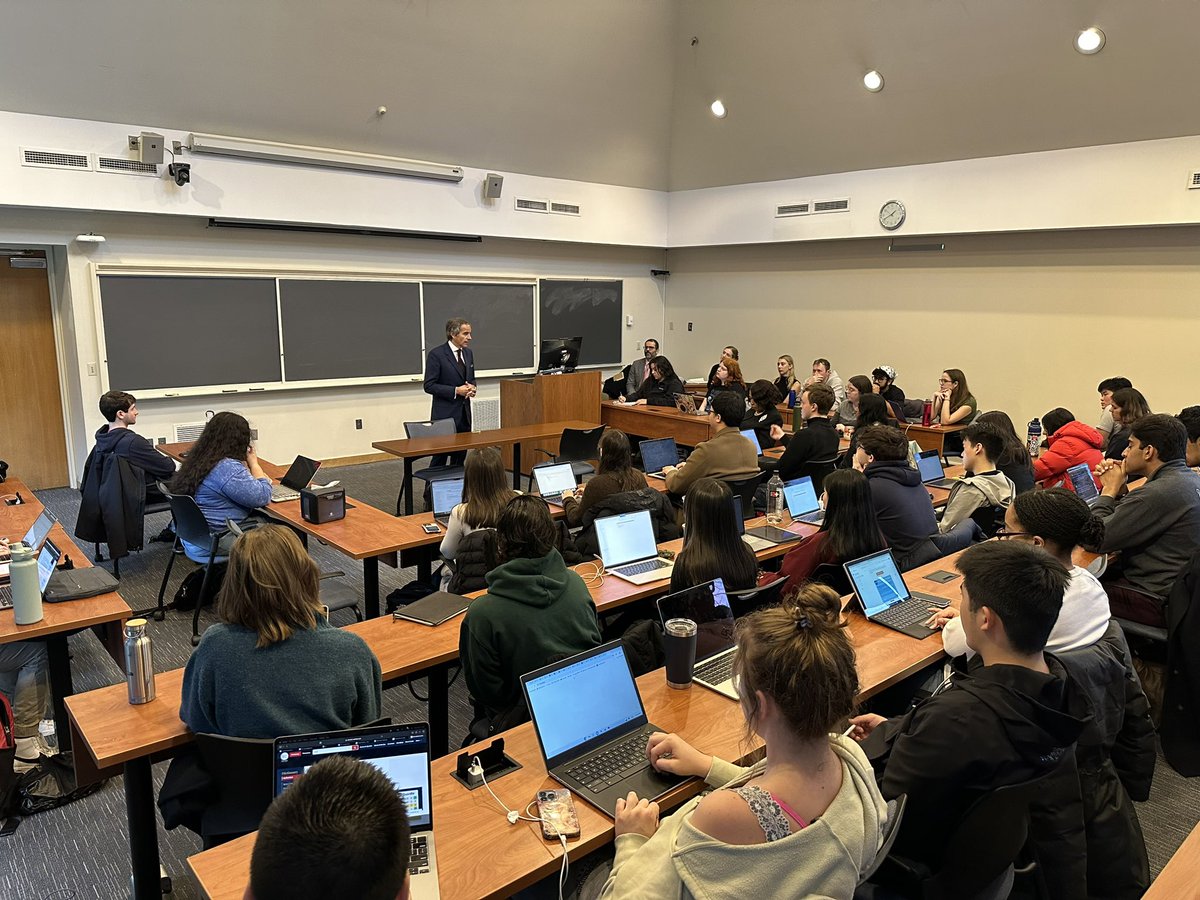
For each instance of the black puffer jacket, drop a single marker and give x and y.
(478, 554)
(662, 515)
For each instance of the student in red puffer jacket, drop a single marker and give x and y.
(1070, 443)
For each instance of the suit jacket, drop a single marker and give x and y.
(637, 373)
(441, 378)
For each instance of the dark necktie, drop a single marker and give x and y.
(462, 366)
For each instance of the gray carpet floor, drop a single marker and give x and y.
(82, 850)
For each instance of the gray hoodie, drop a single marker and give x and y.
(973, 491)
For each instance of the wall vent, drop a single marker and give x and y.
(842, 204)
(485, 415)
(26, 262)
(525, 204)
(55, 159)
(564, 209)
(1194, 181)
(189, 432)
(793, 209)
(121, 166)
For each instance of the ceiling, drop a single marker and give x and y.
(614, 91)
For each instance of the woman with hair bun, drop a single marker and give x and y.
(1057, 521)
(805, 821)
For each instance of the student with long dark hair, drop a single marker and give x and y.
(764, 398)
(1014, 458)
(660, 388)
(850, 530)
(713, 548)
(1127, 406)
(953, 402)
(616, 475)
(485, 493)
(857, 386)
(872, 410)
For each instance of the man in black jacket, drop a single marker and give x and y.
(121, 412)
(817, 440)
(1011, 721)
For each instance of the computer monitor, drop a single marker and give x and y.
(560, 354)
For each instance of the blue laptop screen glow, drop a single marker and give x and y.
(46, 562)
(800, 496)
(583, 700)
(447, 494)
(877, 582)
(930, 467)
(625, 538)
(750, 435)
(1082, 481)
(656, 454)
(554, 479)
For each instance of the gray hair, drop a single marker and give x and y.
(454, 326)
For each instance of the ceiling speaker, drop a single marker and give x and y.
(492, 186)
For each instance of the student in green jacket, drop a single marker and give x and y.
(536, 610)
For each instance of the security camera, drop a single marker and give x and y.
(181, 172)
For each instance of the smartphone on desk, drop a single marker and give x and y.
(431, 528)
(556, 809)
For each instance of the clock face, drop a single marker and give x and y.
(891, 215)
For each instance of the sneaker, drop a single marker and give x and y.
(166, 536)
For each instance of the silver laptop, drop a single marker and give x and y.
(886, 599)
(1083, 483)
(708, 606)
(656, 454)
(752, 436)
(592, 728)
(802, 503)
(402, 753)
(299, 476)
(929, 464)
(33, 538)
(47, 562)
(553, 480)
(627, 548)
(447, 494)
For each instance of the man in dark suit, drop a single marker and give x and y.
(450, 379)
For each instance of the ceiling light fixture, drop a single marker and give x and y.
(1089, 41)
(873, 82)
(90, 238)
(718, 109)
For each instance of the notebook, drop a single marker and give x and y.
(1083, 483)
(553, 480)
(628, 550)
(596, 748)
(656, 454)
(433, 609)
(47, 561)
(447, 494)
(801, 499)
(929, 464)
(752, 436)
(402, 753)
(708, 606)
(886, 599)
(299, 476)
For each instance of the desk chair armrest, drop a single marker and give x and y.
(336, 573)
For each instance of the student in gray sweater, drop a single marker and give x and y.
(1156, 527)
(273, 665)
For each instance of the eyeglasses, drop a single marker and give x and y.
(1005, 533)
(945, 381)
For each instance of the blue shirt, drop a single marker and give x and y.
(229, 491)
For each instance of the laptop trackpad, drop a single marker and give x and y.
(646, 783)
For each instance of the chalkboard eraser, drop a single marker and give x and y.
(258, 389)
(229, 390)
(172, 395)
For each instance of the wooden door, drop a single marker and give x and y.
(32, 437)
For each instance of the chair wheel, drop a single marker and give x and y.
(159, 615)
(195, 640)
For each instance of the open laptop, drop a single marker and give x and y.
(1083, 483)
(447, 494)
(886, 599)
(47, 561)
(592, 727)
(686, 404)
(929, 464)
(402, 753)
(761, 537)
(801, 499)
(628, 550)
(752, 436)
(298, 477)
(658, 453)
(708, 606)
(33, 538)
(553, 480)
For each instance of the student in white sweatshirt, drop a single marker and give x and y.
(1055, 520)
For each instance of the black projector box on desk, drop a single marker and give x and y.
(325, 505)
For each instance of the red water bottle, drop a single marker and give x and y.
(927, 413)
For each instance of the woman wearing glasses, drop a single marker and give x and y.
(1056, 520)
(953, 404)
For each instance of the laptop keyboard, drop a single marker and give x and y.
(614, 763)
(6, 598)
(812, 518)
(641, 568)
(717, 670)
(418, 859)
(280, 493)
(911, 612)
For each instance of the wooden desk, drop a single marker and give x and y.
(414, 448)
(930, 437)
(1180, 878)
(656, 422)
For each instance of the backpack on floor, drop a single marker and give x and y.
(8, 752)
(189, 588)
(51, 784)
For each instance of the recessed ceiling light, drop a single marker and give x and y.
(873, 82)
(1089, 41)
(718, 109)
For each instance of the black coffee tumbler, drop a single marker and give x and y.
(679, 644)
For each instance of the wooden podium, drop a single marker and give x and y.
(547, 398)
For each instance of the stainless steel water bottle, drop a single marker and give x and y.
(139, 662)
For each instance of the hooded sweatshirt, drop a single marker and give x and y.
(1072, 444)
(135, 448)
(992, 488)
(902, 508)
(823, 860)
(534, 612)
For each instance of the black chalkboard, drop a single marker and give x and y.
(589, 308)
(501, 317)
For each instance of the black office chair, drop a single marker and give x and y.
(577, 446)
(745, 488)
(832, 575)
(434, 428)
(747, 601)
(989, 519)
(190, 526)
(817, 469)
(891, 828)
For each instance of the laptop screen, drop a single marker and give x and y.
(877, 581)
(626, 537)
(46, 562)
(554, 693)
(929, 464)
(659, 453)
(554, 479)
(1082, 481)
(750, 435)
(300, 473)
(447, 494)
(401, 752)
(708, 606)
(800, 496)
(39, 529)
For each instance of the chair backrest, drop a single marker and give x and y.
(434, 428)
(989, 519)
(745, 488)
(580, 444)
(242, 770)
(190, 523)
(1149, 632)
(834, 576)
(891, 828)
(817, 469)
(746, 601)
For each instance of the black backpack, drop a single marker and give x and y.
(189, 588)
(51, 784)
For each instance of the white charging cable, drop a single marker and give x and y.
(476, 769)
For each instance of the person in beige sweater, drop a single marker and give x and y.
(724, 456)
(805, 821)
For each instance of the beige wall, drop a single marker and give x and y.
(1034, 320)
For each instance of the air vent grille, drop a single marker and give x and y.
(188, 432)
(121, 166)
(55, 159)
(1194, 181)
(793, 209)
(485, 415)
(26, 262)
(842, 204)
(564, 209)
(525, 204)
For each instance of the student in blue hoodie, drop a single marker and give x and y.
(121, 412)
(536, 610)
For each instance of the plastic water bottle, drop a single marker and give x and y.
(1034, 439)
(775, 500)
(139, 662)
(27, 599)
(791, 398)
